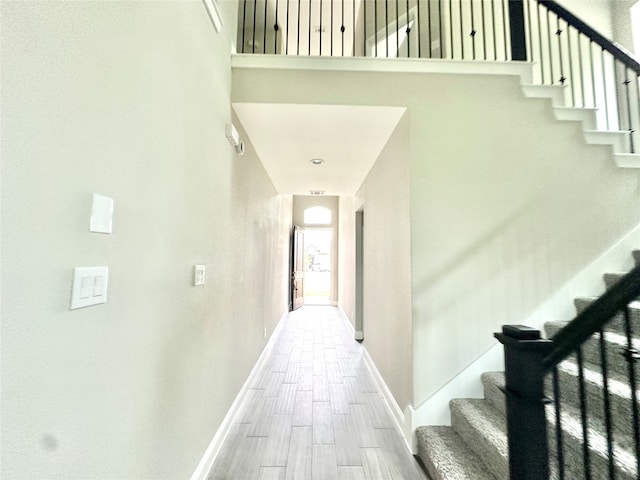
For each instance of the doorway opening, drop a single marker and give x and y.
(318, 261)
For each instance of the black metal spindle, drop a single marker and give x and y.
(461, 31)
(440, 27)
(375, 25)
(364, 40)
(264, 30)
(429, 22)
(320, 30)
(386, 27)
(451, 29)
(408, 32)
(559, 32)
(419, 20)
(636, 82)
(629, 119)
(473, 31)
(484, 31)
(342, 28)
(607, 404)
(255, 8)
(584, 420)
(504, 29)
(493, 29)
(298, 38)
(310, 27)
(276, 29)
(632, 356)
(353, 27)
(244, 22)
(559, 439)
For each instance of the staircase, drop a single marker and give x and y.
(475, 446)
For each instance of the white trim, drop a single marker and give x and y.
(406, 428)
(204, 467)
(367, 64)
(214, 13)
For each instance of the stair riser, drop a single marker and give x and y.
(494, 395)
(621, 407)
(494, 460)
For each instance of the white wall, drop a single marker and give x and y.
(384, 198)
(129, 100)
(347, 257)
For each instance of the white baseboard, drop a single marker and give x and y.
(403, 421)
(204, 467)
(588, 282)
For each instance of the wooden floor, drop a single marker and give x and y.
(314, 412)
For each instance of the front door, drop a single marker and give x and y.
(297, 275)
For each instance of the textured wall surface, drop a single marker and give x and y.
(128, 100)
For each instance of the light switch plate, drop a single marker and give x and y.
(199, 273)
(101, 214)
(89, 286)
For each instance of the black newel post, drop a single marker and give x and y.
(518, 35)
(524, 350)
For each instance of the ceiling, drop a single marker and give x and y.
(348, 138)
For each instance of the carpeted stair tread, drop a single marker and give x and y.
(616, 324)
(572, 445)
(493, 383)
(483, 428)
(447, 457)
(615, 347)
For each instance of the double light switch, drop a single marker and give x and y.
(89, 286)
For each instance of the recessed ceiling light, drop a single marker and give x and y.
(317, 161)
(316, 192)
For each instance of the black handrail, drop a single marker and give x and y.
(618, 52)
(593, 318)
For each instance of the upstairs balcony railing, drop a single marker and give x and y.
(595, 72)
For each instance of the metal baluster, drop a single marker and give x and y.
(319, 31)
(633, 356)
(559, 442)
(375, 24)
(630, 121)
(342, 27)
(276, 28)
(286, 41)
(409, 32)
(461, 31)
(298, 39)
(331, 32)
(244, 21)
(364, 6)
(353, 16)
(493, 28)
(440, 27)
(572, 78)
(429, 22)
(451, 27)
(484, 35)
(607, 404)
(255, 8)
(264, 31)
(419, 20)
(563, 79)
(310, 27)
(586, 453)
(530, 49)
(386, 26)
(473, 31)
(504, 29)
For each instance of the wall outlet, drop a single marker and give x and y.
(199, 275)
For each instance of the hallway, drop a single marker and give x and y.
(314, 412)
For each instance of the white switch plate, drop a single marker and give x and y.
(89, 286)
(101, 214)
(199, 275)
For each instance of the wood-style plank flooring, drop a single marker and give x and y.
(314, 412)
